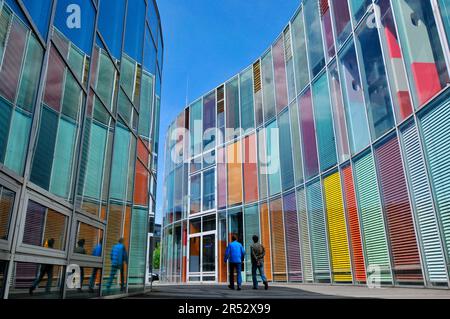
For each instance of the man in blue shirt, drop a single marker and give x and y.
(235, 254)
(119, 256)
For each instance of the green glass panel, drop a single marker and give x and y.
(128, 75)
(138, 244)
(106, 79)
(18, 141)
(145, 112)
(273, 159)
(30, 75)
(63, 159)
(120, 163)
(247, 107)
(296, 142)
(372, 221)
(72, 97)
(5, 120)
(76, 61)
(196, 128)
(251, 222)
(96, 162)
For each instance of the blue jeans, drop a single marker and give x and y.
(238, 267)
(255, 267)
(112, 276)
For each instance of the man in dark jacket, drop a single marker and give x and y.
(119, 257)
(235, 254)
(258, 253)
(45, 269)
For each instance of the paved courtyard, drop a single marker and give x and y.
(280, 291)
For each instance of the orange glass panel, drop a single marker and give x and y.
(141, 185)
(265, 240)
(278, 242)
(234, 161)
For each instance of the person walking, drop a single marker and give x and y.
(119, 257)
(258, 252)
(97, 252)
(45, 269)
(235, 254)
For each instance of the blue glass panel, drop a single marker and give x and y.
(134, 33)
(40, 11)
(18, 141)
(112, 32)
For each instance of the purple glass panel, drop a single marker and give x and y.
(54, 83)
(309, 135)
(12, 62)
(209, 112)
(34, 224)
(279, 65)
(292, 238)
(328, 35)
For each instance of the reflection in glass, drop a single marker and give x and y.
(6, 209)
(314, 36)
(194, 254)
(209, 253)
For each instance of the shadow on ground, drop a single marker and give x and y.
(222, 292)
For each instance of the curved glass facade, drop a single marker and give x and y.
(337, 154)
(79, 124)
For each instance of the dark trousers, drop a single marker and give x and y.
(238, 268)
(44, 270)
(93, 277)
(114, 269)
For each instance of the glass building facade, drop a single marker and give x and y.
(338, 157)
(80, 86)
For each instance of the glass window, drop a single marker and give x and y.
(221, 115)
(236, 225)
(134, 31)
(221, 178)
(359, 8)
(250, 169)
(112, 32)
(105, 84)
(246, 92)
(422, 50)
(153, 18)
(287, 169)
(338, 114)
(89, 279)
(44, 227)
(394, 63)
(209, 223)
(209, 121)
(374, 81)
(308, 135)
(146, 105)
(324, 123)
(6, 210)
(314, 36)
(251, 220)
(342, 24)
(234, 161)
(257, 89)
(209, 190)
(289, 64)
(195, 226)
(196, 129)
(273, 158)
(279, 67)
(262, 163)
(89, 240)
(268, 87)
(300, 58)
(327, 30)
(45, 281)
(194, 255)
(278, 240)
(195, 195)
(354, 100)
(232, 110)
(296, 143)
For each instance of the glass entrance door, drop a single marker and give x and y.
(202, 257)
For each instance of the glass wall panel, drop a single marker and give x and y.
(327, 30)
(195, 196)
(257, 90)
(209, 121)
(314, 36)
(246, 93)
(287, 36)
(112, 33)
(236, 225)
(324, 123)
(422, 50)
(92, 238)
(250, 169)
(308, 135)
(234, 173)
(304, 237)
(337, 103)
(342, 24)
(273, 166)
(354, 101)
(46, 281)
(445, 13)
(278, 240)
(279, 66)
(318, 233)
(337, 229)
(292, 236)
(296, 143)
(221, 178)
(44, 227)
(251, 221)
(232, 109)
(262, 164)
(374, 81)
(196, 130)
(394, 62)
(209, 190)
(266, 238)
(6, 209)
(300, 57)
(286, 161)
(3, 267)
(222, 246)
(359, 8)
(40, 13)
(268, 86)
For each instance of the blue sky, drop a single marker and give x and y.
(206, 43)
